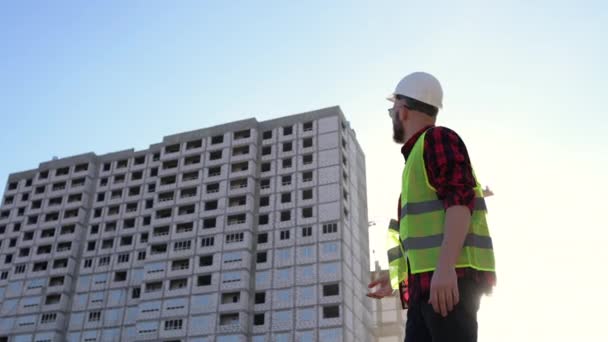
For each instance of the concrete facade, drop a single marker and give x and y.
(248, 231)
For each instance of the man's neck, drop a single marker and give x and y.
(412, 129)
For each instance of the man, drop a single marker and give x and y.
(445, 242)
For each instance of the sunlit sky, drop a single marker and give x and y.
(524, 85)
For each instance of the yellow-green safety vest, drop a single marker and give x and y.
(422, 221)
(396, 261)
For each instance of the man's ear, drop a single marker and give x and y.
(403, 113)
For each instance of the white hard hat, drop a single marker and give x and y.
(420, 86)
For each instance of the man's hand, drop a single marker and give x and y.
(384, 288)
(444, 290)
(444, 283)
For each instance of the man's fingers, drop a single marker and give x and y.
(442, 303)
(433, 300)
(449, 300)
(456, 294)
(377, 282)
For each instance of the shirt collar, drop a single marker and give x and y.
(409, 145)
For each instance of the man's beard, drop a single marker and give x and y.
(398, 133)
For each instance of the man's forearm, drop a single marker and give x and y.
(457, 221)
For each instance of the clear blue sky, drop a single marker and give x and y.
(524, 82)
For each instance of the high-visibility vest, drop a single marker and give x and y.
(423, 217)
(396, 262)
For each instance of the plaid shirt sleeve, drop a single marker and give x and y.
(449, 167)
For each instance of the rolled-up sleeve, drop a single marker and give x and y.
(449, 168)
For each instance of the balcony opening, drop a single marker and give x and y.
(120, 276)
(240, 151)
(203, 280)
(186, 210)
(171, 164)
(154, 286)
(262, 238)
(237, 201)
(56, 281)
(260, 298)
(265, 183)
(165, 213)
(44, 250)
(62, 171)
(239, 167)
(231, 297)
(211, 205)
(160, 231)
(62, 263)
(209, 223)
(215, 155)
(168, 180)
(258, 319)
(214, 171)
(229, 319)
(331, 311)
(205, 260)
(307, 127)
(131, 207)
(135, 176)
(172, 149)
(134, 191)
(40, 266)
(165, 196)
(179, 265)
(55, 201)
(184, 227)
(192, 160)
(190, 145)
(307, 177)
(158, 249)
(331, 290)
(52, 299)
(74, 198)
(307, 159)
(213, 188)
(64, 246)
(243, 134)
(177, 284)
(236, 219)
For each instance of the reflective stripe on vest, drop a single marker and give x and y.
(394, 254)
(432, 241)
(394, 225)
(434, 205)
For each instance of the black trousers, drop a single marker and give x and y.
(425, 325)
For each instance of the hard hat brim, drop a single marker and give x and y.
(391, 97)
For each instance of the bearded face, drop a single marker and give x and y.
(398, 132)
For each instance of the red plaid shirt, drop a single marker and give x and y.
(449, 170)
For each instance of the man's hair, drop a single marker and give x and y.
(422, 107)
